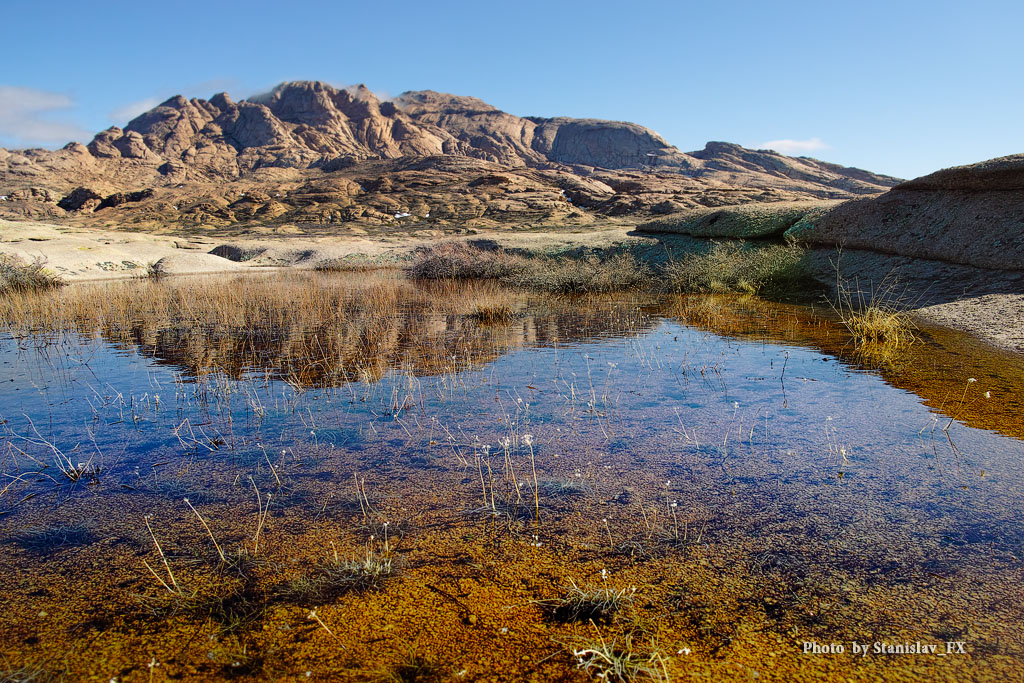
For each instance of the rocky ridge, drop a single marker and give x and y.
(971, 215)
(309, 154)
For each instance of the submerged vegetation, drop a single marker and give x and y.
(622, 662)
(348, 477)
(591, 603)
(338, 576)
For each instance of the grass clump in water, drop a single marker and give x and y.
(569, 487)
(45, 540)
(876, 319)
(609, 661)
(494, 313)
(17, 275)
(338, 577)
(881, 326)
(590, 603)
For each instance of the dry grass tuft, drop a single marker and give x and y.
(881, 325)
(876, 319)
(612, 661)
(17, 275)
(591, 603)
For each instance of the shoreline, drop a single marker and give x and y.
(988, 304)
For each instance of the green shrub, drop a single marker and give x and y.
(735, 267)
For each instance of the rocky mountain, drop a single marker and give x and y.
(308, 153)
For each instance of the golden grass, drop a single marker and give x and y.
(878, 325)
(17, 275)
(876, 319)
(310, 329)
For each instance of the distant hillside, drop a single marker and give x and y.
(320, 154)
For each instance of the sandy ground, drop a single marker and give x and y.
(986, 303)
(79, 254)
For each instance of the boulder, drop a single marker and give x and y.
(81, 199)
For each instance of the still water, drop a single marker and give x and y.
(351, 477)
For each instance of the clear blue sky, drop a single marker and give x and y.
(896, 87)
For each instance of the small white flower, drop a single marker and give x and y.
(970, 380)
(528, 439)
(988, 394)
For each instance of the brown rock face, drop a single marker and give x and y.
(80, 199)
(972, 215)
(311, 153)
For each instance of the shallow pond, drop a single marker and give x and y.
(352, 477)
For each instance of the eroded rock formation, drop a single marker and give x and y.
(311, 154)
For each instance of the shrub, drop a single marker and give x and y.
(734, 267)
(18, 275)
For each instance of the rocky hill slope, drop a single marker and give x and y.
(310, 154)
(972, 215)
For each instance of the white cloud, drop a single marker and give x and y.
(794, 146)
(25, 117)
(126, 113)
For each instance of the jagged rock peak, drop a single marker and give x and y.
(429, 101)
(313, 126)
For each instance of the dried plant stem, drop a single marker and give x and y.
(177, 588)
(210, 533)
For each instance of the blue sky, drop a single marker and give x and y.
(896, 87)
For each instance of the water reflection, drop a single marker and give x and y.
(316, 330)
(753, 477)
